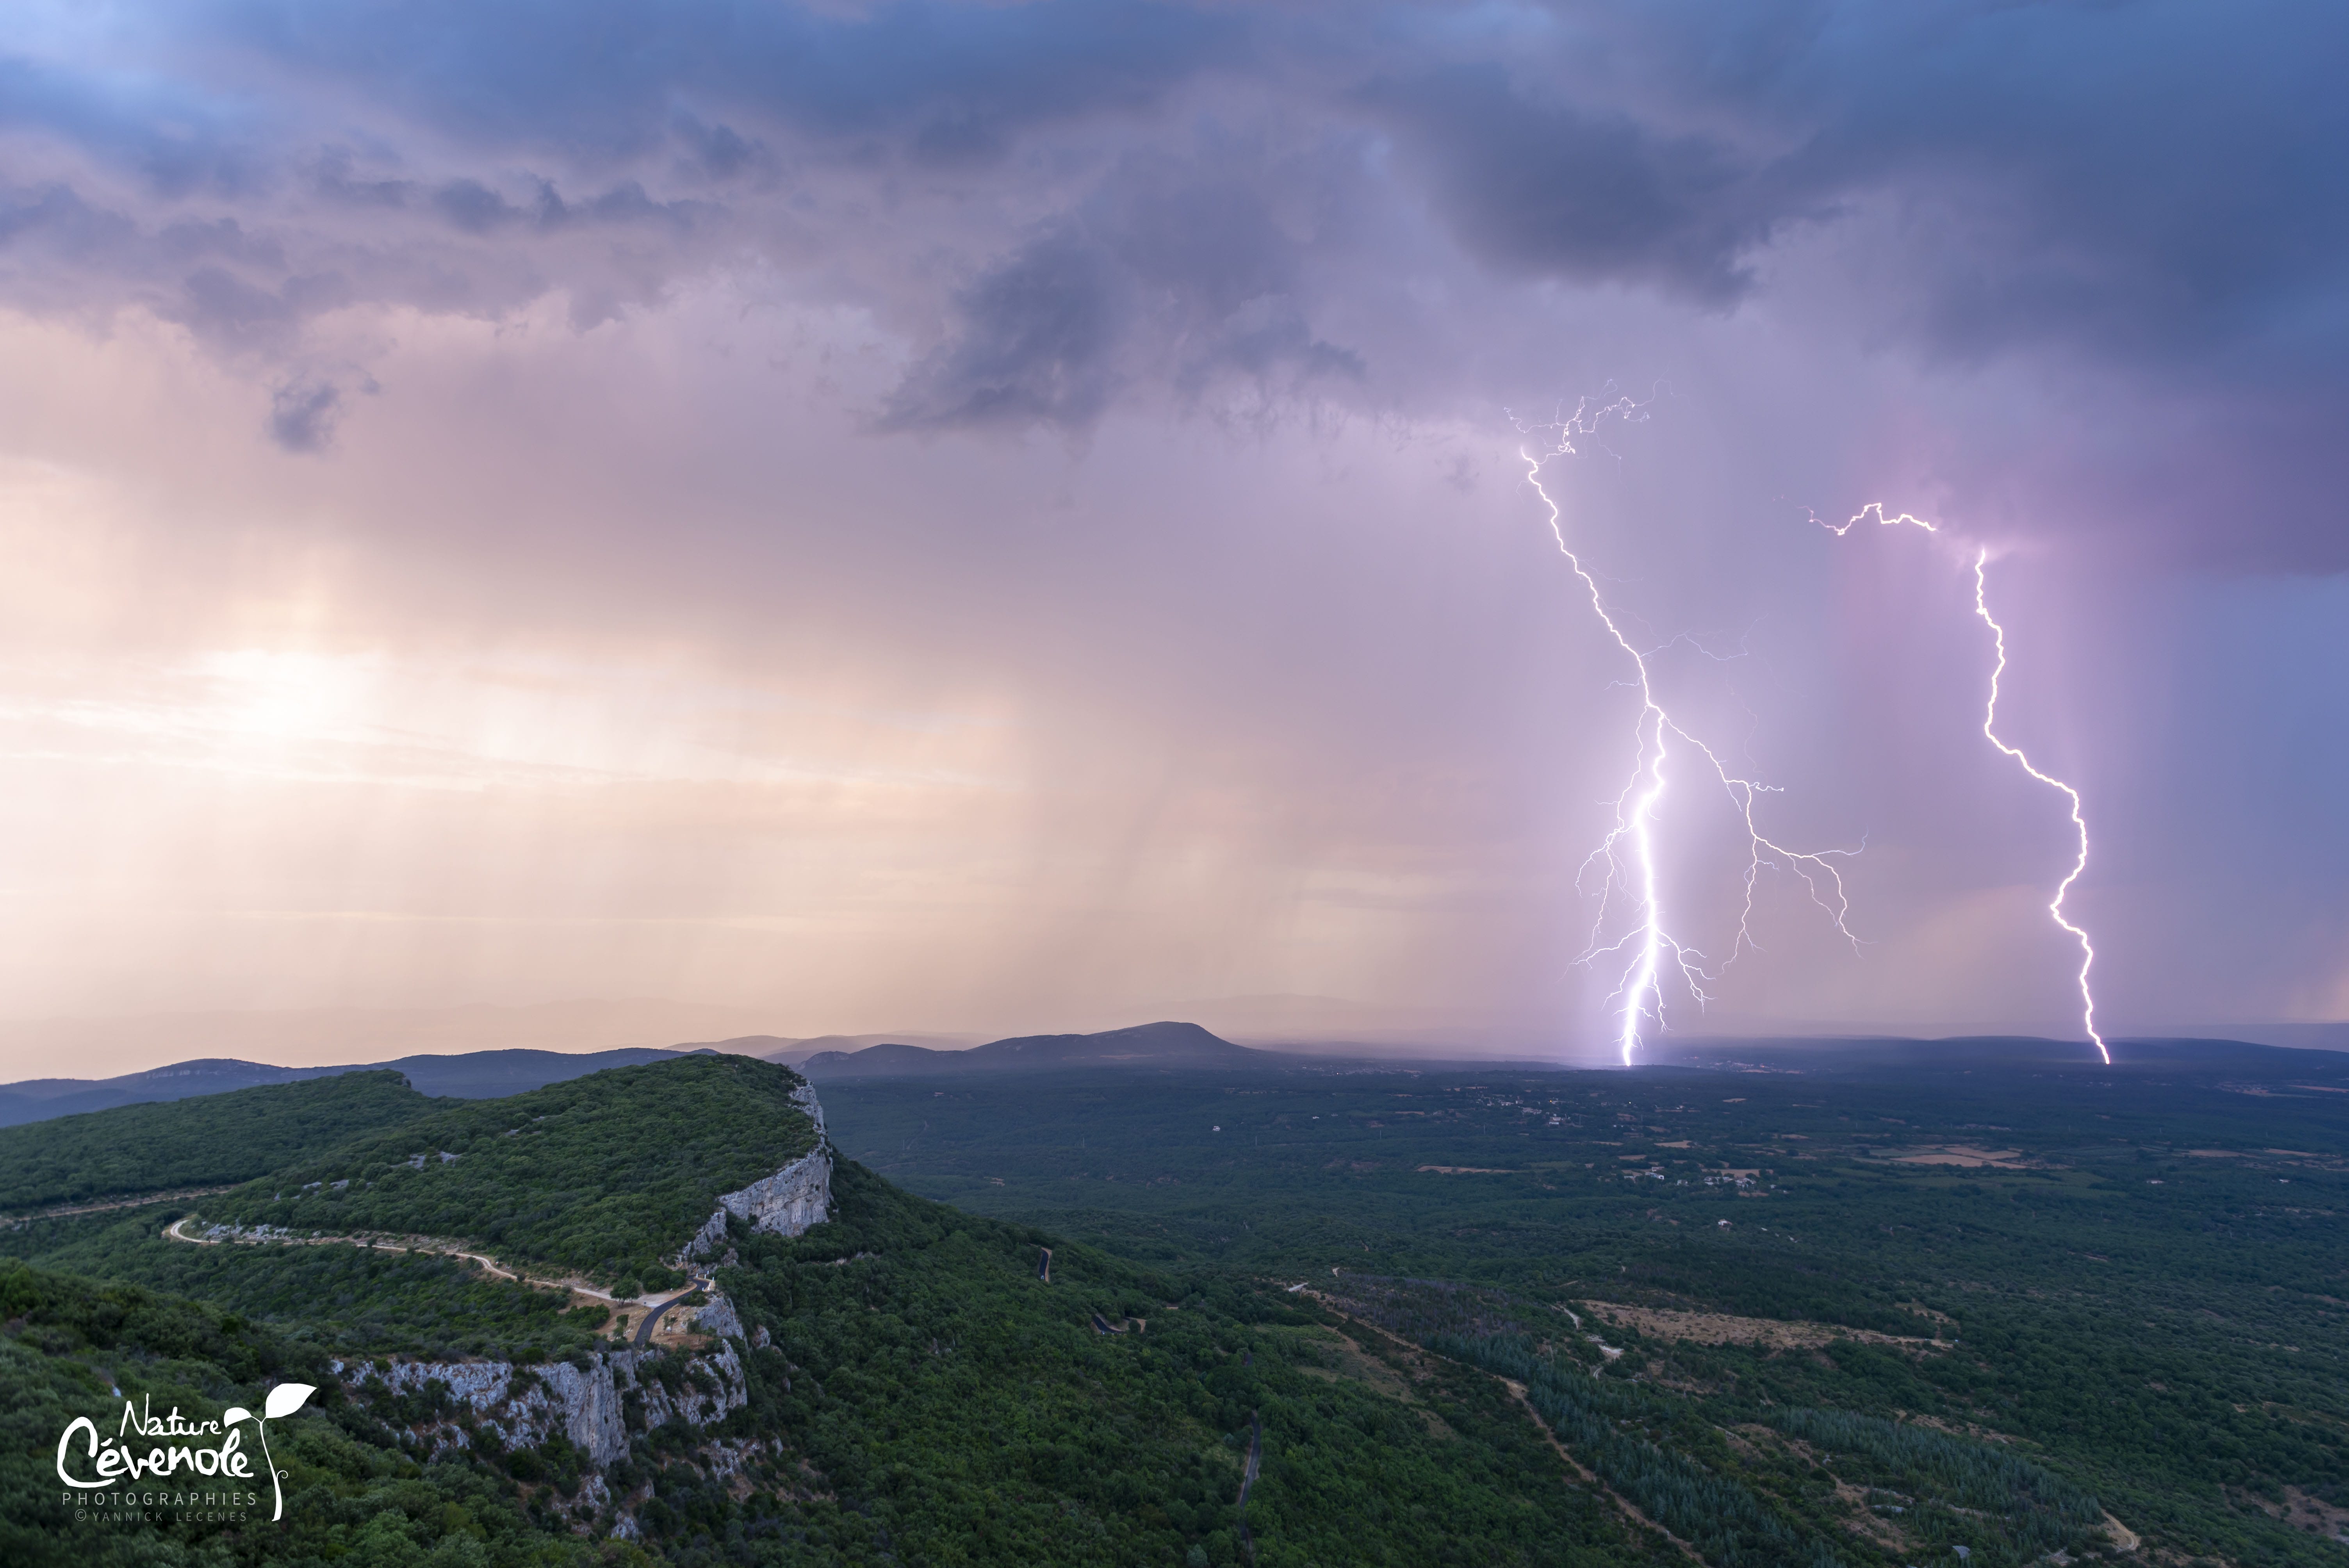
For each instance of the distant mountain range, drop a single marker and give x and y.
(1161, 1045)
(490, 1075)
(107, 1045)
(471, 1074)
(791, 1051)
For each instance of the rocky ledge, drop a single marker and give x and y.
(597, 1407)
(783, 1204)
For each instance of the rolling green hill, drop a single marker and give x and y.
(205, 1142)
(1498, 1318)
(71, 1347)
(912, 1391)
(604, 1174)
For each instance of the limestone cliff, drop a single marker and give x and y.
(804, 1098)
(785, 1203)
(599, 1407)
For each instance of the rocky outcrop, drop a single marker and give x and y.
(714, 1384)
(719, 1318)
(783, 1204)
(524, 1407)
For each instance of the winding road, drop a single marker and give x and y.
(130, 1200)
(652, 1319)
(654, 1311)
(1248, 1477)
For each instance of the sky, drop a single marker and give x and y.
(1001, 517)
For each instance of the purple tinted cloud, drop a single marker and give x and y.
(1075, 204)
(1548, 188)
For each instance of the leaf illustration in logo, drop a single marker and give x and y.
(234, 1414)
(286, 1398)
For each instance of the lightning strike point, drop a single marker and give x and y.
(1990, 732)
(2079, 822)
(1650, 941)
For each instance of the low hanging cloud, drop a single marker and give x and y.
(1168, 274)
(301, 415)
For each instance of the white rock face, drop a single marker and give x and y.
(524, 1407)
(698, 1407)
(718, 1318)
(587, 1407)
(783, 1204)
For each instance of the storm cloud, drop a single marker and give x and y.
(1076, 203)
(1137, 396)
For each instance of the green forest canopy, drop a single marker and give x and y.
(605, 1175)
(208, 1140)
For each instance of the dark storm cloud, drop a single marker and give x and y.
(1036, 345)
(52, 224)
(2152, 178)
(2150, 193)
(2161, 180)
(606, 77)
(1169, 269)
(472, 208)
(1547, 188)
(2155, 194)
(231, 287)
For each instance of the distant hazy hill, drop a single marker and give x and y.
(1161, 1045)
(37, 1099)
(490, 1075)
(791, 1051)
(474, 1075)
(783, 1048)
(104, 1047)
(232, 1137)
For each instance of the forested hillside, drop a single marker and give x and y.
(212, 1141)
(607, 1174)
(1754, 1318)
(915, 1391)
(72, 1347)
(2134, 1276)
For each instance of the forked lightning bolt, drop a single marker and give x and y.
(1990, 732)
(1649, 942)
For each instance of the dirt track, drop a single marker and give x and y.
(135, 1201)
(1719, 1328)
(653, 1306)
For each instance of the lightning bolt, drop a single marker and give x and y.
(2079, 822)
(1990, 733)
(1648, 945)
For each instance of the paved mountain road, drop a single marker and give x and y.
(652, 1319)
